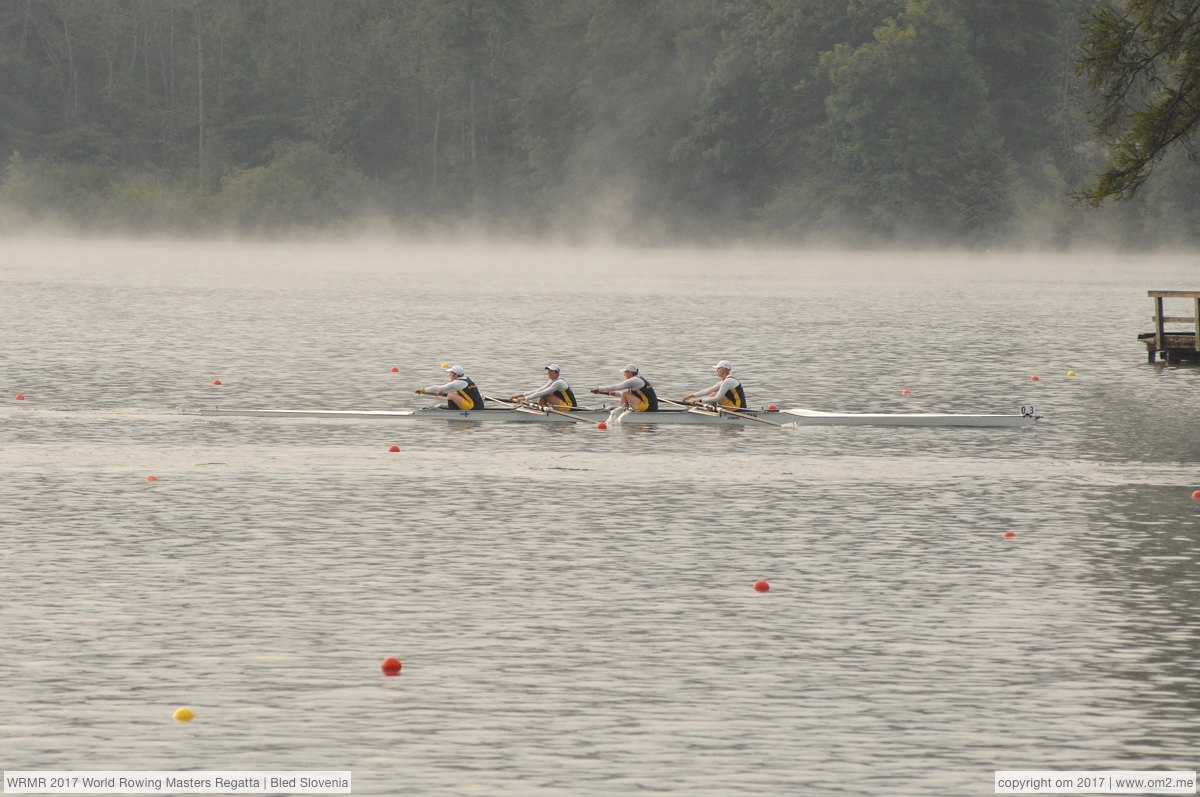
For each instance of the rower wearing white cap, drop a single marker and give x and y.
(727, 393)
(461, 391)
(555, 393)
(637, 394)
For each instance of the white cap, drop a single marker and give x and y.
(630, 367)
(728, 366)
(553, 367)
(457, 370)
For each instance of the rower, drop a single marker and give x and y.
(555, 393)
(637, 394)
(461, 392)
(726, 393)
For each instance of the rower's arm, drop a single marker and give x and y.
(449, 387)
(547, 389)
(708, 395)
(626, 385)
(720, 389)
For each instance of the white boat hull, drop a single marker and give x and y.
(800, 417)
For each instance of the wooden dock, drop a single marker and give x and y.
(1173, 346)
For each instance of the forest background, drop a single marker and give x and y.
(840, 122)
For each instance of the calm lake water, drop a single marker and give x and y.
(574, 607)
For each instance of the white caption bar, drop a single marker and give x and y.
(1107, 781)
(206, 782)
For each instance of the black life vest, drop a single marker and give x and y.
(565, 397)
(646, 393)
(735, 395)
(471, 391)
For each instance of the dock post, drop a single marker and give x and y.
(1196, 319)
(1160, 342)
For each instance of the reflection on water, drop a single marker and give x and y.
(574, 606)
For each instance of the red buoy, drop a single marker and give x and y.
(1194, 495)
(395, 370)
(394, 449)
(772, 407)
(151, 478)
(216, 381)
(391, 666)
(602, 425)
(20, 397)
(1033, 379)
(1009, 534)
(906, 392)
(761, 586)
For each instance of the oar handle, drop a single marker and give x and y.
(681, 404)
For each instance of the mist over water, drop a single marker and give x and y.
(573, 607)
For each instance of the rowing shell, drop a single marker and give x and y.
(800, 417)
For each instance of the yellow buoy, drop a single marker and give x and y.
(184, 714)
(1070, 373)
(445, 365)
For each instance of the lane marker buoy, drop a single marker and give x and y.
(761, 586)
(391, 666)
(394, 449)
(20, 397)
(1008, 535)
(184, 714)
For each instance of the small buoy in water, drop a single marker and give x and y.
(151, 478)
(20, 397)
(906, 392)
(602, 425)
(391, 666)
(1033, 379)
(1070, 373)
(445, 365)
(761, 586)
(184, 714)
(216, 381)
(394, 449)
(395, 370)
(1196, 494)
(772, 407)
(1009, 535)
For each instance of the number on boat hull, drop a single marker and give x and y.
(1028, 411)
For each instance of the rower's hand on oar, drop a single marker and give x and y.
(517, 398)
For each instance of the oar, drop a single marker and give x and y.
(498, 401)
(537, 408)
(730, 411)
(438, 396)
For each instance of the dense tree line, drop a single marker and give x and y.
(918, 121)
